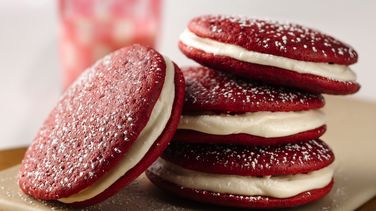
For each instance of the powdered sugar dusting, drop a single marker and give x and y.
(251, 160)
(278, 38)
(210, 90)
(93, 124)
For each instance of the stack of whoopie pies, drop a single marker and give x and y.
(249, 134)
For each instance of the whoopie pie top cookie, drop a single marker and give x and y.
(234, 159)
(223, 108)
(106, 129)
(278, 53)
(246, 176)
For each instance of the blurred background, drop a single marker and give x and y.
(45, 44)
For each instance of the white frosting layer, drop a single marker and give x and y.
(331, 71)
(264, 124)
(153, 129)
(272, 186)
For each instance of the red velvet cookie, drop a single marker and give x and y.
(191, 136)
(245, 176)
(222, 108)
(249, 160)
(90, 145)
(278, 53)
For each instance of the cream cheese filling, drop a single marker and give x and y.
(331, 71)
(281, 186)
(264, 124)
(155, 126)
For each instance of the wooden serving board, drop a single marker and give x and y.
(351, 134)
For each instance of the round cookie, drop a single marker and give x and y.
(249, 160)
(245, 176)
(191, 136)
(278, 53)
(222, 108)
(106, 129)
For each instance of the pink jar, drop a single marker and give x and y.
(92, 28)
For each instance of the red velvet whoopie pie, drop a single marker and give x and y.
(106, 129)
(246, 176)
(283, 54)
(221, 108)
